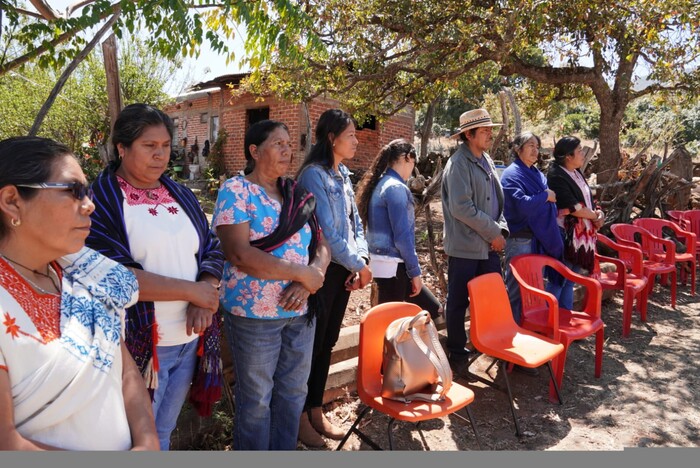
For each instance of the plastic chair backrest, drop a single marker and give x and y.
(626, 232)
(489, 309)
(655, 227)
(691, 222)
(530, 268)
(674, 215)
(373, 325)
(632, 259)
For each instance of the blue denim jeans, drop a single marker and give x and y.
(564, 293)
(515, 246)
(177, 365)
(271, 360)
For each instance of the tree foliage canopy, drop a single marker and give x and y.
(174, 28)
(380, 55)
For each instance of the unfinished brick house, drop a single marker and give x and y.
(200, 114)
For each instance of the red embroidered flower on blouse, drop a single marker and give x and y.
(12, 328)
(153, 211)
(172, 209)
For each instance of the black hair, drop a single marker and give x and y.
(28, 160)
(471, 132)
(520, 140)
(390, 153)
(133, 120)
(256, 135)
(565, 147)
(332, 122)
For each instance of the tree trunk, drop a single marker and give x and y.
(609, 158)
(427, 128)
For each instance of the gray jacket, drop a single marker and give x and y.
(466, 189)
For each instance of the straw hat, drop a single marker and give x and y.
(474, 119)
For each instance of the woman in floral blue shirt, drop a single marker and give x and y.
(275, 258)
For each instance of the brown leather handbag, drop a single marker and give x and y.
(414, 364)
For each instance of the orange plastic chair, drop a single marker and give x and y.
(655, 226)
(373, 324)
(628, 277)
(494, 333)
(624, 234)
(542, 314)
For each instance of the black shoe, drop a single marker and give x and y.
(531, 371)
(459, 364)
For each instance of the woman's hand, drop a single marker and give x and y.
(365, 276)
(198, 319)
(205, 295)
(311, 278)
(600, 219)
(352, 282)
(551, 196)
(416, 286)
(294, 297)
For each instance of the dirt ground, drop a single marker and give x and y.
(648, 394)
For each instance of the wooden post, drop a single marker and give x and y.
(114, 97)
(431, 250)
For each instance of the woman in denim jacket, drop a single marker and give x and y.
(323, 174)
(387, 207)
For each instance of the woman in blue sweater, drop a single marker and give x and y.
(530, 210)
(387, 209)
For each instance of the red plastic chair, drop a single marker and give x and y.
(494, 333)
(655, 226)
(541, 312)
(373, 324)
(624, 234)
(628, 277)
(674, 215)
(690, 221)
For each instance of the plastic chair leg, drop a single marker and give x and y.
(559, 363)
(510, 397)
(673, 289)
(644, 299)
(627, 303)
(554, 382)
(471, 421)
(599, 340)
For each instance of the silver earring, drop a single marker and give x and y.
(15, 222)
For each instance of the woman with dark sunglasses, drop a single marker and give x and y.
(387, 209)
(67, 380)
(156, 227)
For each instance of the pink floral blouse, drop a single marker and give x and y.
(241, 201)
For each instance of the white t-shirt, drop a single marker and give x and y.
(164, 241)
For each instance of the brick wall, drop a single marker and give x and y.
(232, 113)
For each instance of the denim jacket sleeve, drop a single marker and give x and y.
(312, 179)
(360, 240)
(403, 226)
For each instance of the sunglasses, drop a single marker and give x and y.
(77, 189)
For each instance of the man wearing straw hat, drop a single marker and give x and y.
(475, 229)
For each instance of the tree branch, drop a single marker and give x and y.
(44, 9)
(655, 88)
(4, 68)
(67, 72)
(549, 75)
